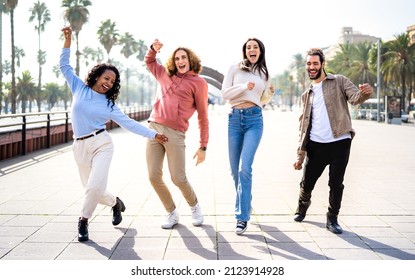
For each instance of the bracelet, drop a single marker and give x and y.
(203, 148)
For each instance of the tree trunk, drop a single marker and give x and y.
(14, 93)
(403, 90)
(1, 54)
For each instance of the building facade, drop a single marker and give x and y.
(348, 36)
(411, 32)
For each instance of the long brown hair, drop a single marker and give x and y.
(261, 65)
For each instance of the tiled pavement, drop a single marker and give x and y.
(41, 196)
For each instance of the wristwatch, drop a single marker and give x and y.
(203, 148)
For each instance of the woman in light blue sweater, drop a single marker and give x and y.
(93, 105)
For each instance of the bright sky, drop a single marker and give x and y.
(214, 29)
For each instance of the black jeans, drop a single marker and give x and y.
(319, 155)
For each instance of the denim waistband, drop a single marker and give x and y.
(249, 110)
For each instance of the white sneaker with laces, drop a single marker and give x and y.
(171, 219)
(197, 216)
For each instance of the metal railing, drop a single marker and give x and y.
(21, 123)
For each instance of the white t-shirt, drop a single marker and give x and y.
(321, 129)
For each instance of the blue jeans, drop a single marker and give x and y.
(245, 128)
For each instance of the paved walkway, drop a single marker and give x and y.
(41, 196)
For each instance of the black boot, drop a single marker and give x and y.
(83, 230)
(116, 212)
(301, 210)
(332, 224)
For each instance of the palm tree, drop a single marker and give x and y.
(373, 66)
(8, 88)
(108, 36)
(42, 15)
(342, 61)
(18, 54)
(26, 88)
(129, 47)
(10, 6)
(360, 72)
(77, 15)
(285, 85)
(53, 93)
(128, 73)
(142, 78)
(142, 50)
(66, 95)
(299, 66)
(2, 9)
(399, 63)
(412, 78)
(90, 54)
(7, 67)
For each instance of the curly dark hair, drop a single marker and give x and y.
(96, 72)
(261, 65)
(318, 52)
(194, 60)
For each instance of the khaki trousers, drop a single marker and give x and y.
(175, 150)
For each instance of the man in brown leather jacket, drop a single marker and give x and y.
(326, 134)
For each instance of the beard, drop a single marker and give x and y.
(317, 76)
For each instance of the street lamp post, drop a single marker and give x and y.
(378, 81)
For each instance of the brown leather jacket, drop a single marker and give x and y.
(338, 90)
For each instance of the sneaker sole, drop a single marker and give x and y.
(197, 224)
(240, 232)
(168, 227)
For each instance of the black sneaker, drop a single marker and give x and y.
(116, 212)
(83, 230)
(241, 227)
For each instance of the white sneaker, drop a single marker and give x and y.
(171, 219)
(197, 216)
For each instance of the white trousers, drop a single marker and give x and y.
(93, 157)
